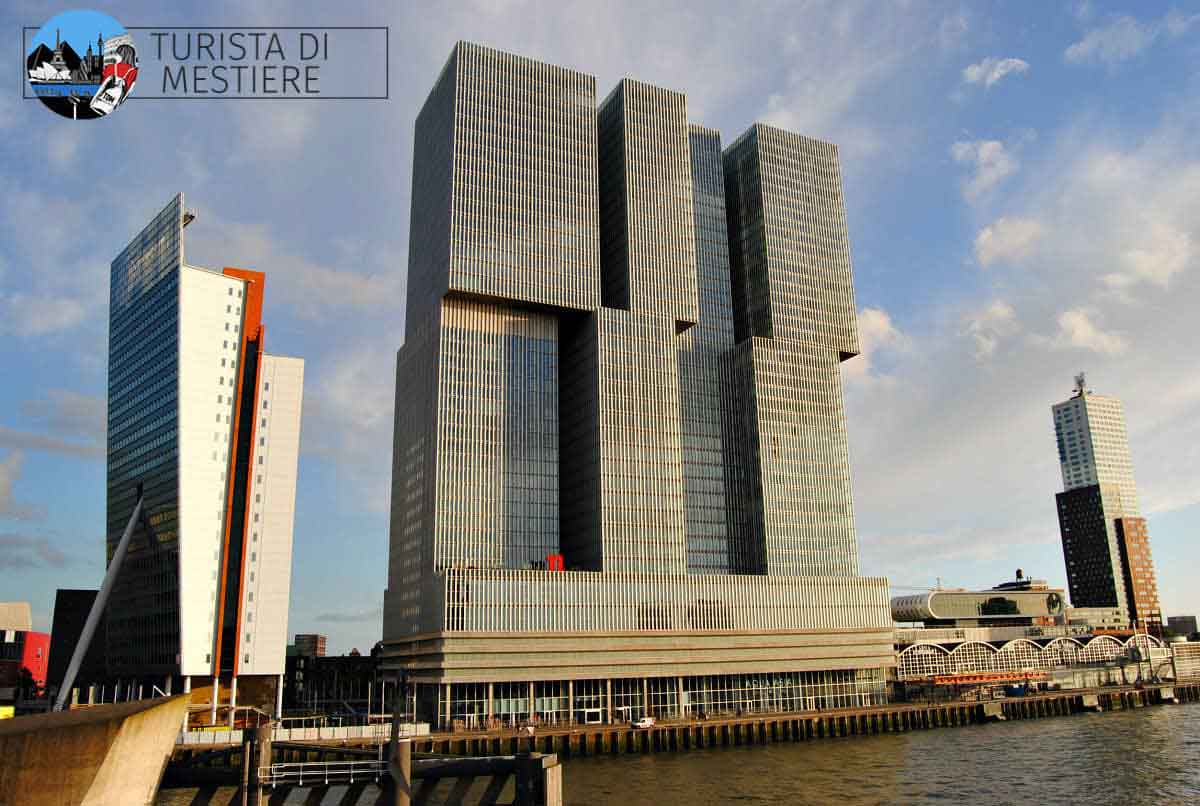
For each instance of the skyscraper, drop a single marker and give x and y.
(206, 425)
(1105, 544)
(620, 481)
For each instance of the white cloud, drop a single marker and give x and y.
(1124, 37)
(992, 162)
(991, 70)
(876, 334)
(10, 467)
(69, 413)
(989, 324)
(63, 148)
(835, 62)
(19, 552)
(965, 411)
(348, 416)
(10, 471)
(1006, 239)
(952, 32)
(1177, 24)
(309, 288)
(1076, 329)
(1163, 253)
(273, 132)
(27, 316)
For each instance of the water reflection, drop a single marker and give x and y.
(1145, 756)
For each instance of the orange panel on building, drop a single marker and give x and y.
(1141, 586)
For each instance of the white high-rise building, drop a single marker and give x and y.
(1092, 445)
(1106, 546)
(205, 425)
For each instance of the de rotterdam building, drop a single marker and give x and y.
(620, 483)
(205, 425)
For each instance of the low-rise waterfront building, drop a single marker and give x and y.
(1183, 625)
(1020, 603)
(71, 608)
(310, 644)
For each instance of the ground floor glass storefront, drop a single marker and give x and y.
(510, 704)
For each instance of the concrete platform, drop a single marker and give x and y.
(103, 755)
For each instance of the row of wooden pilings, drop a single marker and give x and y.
(794, 727)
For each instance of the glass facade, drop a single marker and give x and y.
(184, 426)
(794, 313)
(497, 486)
(143, 442)
(469, 705)
(710, 418)
(648, 252)
(1087, 523)
(523, 195)
(623, 347)
(788, 241)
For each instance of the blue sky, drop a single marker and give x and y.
(1023, 193)
(79, 27)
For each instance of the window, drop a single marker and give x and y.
(222, 362)
(247, 659)
(264, 404)
(231, 291)
(267, 386)
(227, 326)
(220, 399)
(228, 309)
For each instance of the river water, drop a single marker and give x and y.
(1148, 755)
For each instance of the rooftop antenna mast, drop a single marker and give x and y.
(1081, 384)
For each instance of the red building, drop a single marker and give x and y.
(23, 650)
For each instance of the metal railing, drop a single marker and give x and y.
(314, 773)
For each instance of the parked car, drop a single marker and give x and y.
(644, 722)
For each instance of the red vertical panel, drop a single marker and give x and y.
(252, 330)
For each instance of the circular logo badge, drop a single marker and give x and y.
(82, 64)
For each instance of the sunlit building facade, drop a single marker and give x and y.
(206, 425)
(620, 482)
(1106, 548)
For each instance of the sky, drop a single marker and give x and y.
(1022, 184)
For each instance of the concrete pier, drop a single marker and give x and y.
(762, 728)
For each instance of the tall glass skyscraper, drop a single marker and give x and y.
(1105, 544)
(620, 480)
(205, 425)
